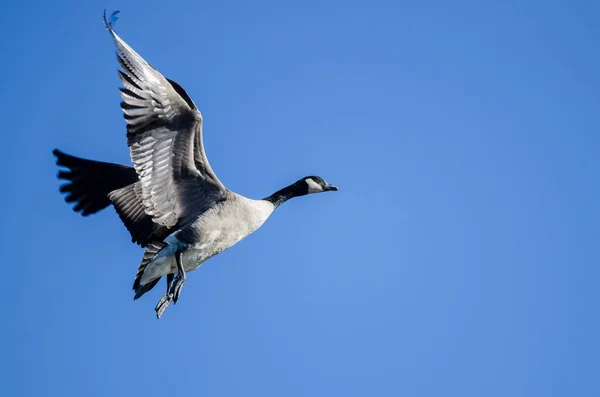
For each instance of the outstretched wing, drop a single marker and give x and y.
(164, 133)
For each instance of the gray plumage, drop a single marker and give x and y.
(171, 201)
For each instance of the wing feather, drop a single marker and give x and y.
(164, 134)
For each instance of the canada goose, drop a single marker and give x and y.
(171, 201)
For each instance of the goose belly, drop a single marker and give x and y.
(211, 233)
(213, 242)
(165, 261)
(222, 227)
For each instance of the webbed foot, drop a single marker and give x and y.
(163, 303)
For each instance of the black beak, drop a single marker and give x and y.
(329, 187)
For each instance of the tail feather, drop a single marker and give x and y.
(94, 185)
(151, 251)
(89, 182)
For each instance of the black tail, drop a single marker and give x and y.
(89, 182)
(94, 185)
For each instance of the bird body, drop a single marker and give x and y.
(171, 201)
(211, 233)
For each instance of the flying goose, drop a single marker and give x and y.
(171, 201)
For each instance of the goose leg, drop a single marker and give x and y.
(173, 288)
(179, 278)
(166, 299)
(169, 281)
(164, 302)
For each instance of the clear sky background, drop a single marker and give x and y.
(459, 258)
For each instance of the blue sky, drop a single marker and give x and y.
(459, 258)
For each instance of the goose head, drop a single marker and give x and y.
(307, 185)
(316, 184)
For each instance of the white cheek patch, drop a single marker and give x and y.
(313, 187)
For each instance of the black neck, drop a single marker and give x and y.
(283, 195)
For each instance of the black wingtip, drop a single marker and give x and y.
(110, 22)
(105, 21)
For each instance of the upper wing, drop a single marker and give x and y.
(163, 134)
(200, 160)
